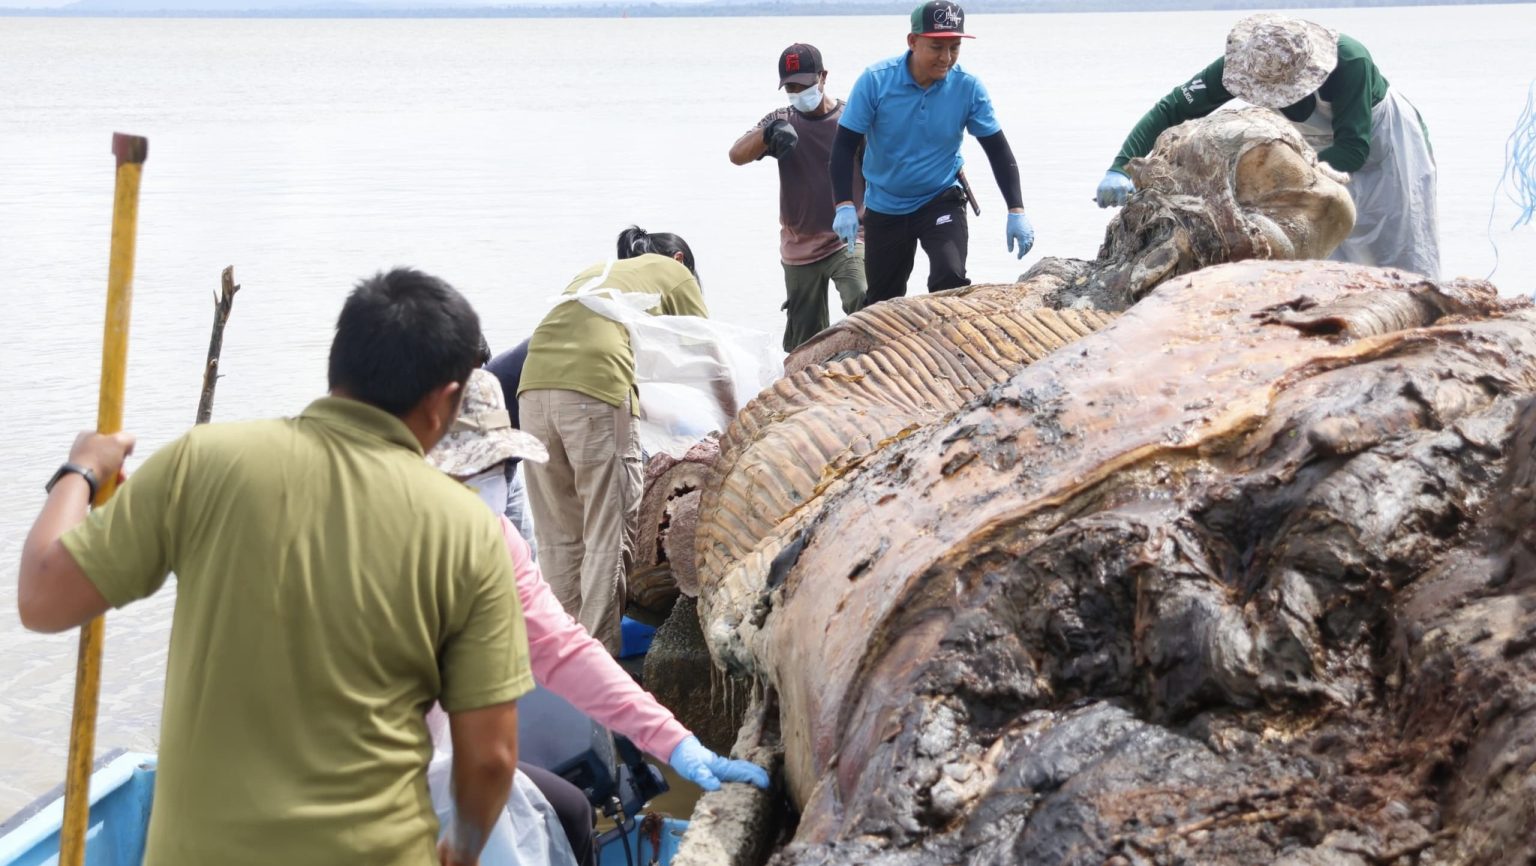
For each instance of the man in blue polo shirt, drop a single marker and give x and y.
(911, 113)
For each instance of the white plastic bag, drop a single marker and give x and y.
(526, 833)
(694, 374)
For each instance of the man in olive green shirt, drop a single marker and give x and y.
(578, 396)
(330, 586)
(1327, 84)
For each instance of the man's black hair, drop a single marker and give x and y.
(400, 335)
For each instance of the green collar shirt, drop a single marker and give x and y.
(330, 586)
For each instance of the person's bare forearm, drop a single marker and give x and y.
(65, 507)
(483, 769)
(480, 790)
(749, 148)
(52, 593)
(725, 394)
(723, 387)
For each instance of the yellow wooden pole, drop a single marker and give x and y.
(131, 151)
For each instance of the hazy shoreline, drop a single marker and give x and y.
(710, 9)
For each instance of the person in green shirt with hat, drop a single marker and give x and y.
(1327, 84)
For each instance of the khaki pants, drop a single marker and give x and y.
(585, 502)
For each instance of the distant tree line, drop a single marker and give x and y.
(716, 9)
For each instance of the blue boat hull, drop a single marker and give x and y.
(123, 790)
(611, 851)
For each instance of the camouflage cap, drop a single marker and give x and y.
(1275, 60)
(483, 436)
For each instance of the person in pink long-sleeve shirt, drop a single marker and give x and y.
(565, 659)
(574, 665)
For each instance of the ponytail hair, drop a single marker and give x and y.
(636, 241)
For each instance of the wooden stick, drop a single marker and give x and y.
(222, 304)
(131, 151)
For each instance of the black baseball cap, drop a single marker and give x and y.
(939, 19)
(800, 64)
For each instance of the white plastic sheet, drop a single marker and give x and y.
(694, 374)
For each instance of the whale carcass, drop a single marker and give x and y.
(1164, 593)
(1245, 574)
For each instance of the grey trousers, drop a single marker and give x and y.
(585, 503)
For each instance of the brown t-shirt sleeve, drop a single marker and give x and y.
(485, 661)
(779, 114)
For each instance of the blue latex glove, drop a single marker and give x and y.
(707, 770)
(846, 223)
(1115, 189)
(1020, 232)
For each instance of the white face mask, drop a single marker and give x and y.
(807, 100)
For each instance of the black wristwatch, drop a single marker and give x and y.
(73, 469)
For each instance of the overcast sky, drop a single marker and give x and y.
(216, 4)
(245, 4)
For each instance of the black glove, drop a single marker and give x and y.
(781, 138)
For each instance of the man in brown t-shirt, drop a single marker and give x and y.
(800, 137)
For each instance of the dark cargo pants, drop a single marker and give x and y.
(891, 243)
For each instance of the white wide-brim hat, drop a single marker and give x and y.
(1275, 60)
(483, 436)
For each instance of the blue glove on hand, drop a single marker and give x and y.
(707, 770)
(1115, 189)
(846, 223)
(1020, 232)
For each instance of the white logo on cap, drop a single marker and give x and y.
(947, 18)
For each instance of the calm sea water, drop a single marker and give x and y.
(505, 155)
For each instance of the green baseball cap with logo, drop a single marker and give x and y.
(939, 19)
